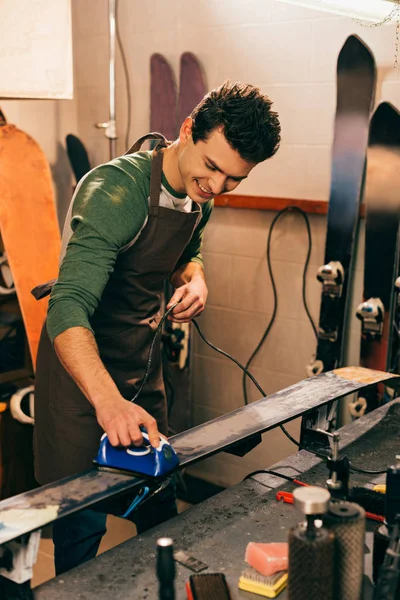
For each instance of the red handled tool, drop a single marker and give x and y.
(287, 497)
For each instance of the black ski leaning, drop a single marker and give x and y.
(382, 195)
(356, 77)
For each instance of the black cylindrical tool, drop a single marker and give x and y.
(392, 504)
(389, 573)
(347, 521)
(392, 508)
(165, 569)
(311, 549)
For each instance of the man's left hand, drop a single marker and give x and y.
(192, 298)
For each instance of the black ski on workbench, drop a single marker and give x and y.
(32, 510)
(356, 78)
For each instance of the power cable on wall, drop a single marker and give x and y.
(127, 80)
(275, 295)
(246, 373)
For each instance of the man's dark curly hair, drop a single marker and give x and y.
(244, 114)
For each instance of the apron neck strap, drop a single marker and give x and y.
(156, 177)
(156, 163)
(161, 143)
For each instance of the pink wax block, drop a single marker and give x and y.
(267, 559)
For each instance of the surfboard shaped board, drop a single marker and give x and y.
(28, 224)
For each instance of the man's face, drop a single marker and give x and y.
(211, 167)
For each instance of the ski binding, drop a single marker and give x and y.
(329, 336)
(315, 367)
(397, 289)
(143, 460)
(371, 314)
(332, 277)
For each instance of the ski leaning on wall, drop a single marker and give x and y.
(163, 97)
(356, 79)
(382, 199)
(29, 250)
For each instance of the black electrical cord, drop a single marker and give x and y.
(269, 472)
(127, 81)
(359, 470)
(275, 295)
(288, 478)
(275, 309)
(168, 382)
(149, 357)
(158, 330)
(246, 372)
(351, 466)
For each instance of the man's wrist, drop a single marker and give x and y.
(101, 401)
(187, 273)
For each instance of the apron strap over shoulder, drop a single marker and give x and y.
(149, 136)
(156, 165)
(156, 177)
(44, 289)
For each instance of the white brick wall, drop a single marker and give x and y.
(291, 54)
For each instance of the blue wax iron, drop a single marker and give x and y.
(140, 460)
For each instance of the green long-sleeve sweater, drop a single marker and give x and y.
(107, 214)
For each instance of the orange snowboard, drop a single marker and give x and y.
(28, 224)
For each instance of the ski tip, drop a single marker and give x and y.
(157, 58)
(355, 54)
(385, 125)
(189, 57)
(367, 376)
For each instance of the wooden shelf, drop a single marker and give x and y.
(316, 207)
(312, 207)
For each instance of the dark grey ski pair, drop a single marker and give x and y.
(353, 133)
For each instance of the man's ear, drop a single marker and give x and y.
(185, 132)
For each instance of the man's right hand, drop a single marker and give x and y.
(118, 417)
(121, 420)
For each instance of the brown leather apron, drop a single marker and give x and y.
(67, 434)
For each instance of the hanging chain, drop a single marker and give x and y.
(393, 15)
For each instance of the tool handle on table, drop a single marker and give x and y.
(389, 575)
(166, 569)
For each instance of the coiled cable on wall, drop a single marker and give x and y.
(274, 291)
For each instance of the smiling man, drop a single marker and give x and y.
(133, 223)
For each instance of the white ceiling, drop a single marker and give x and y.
(371, 10)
